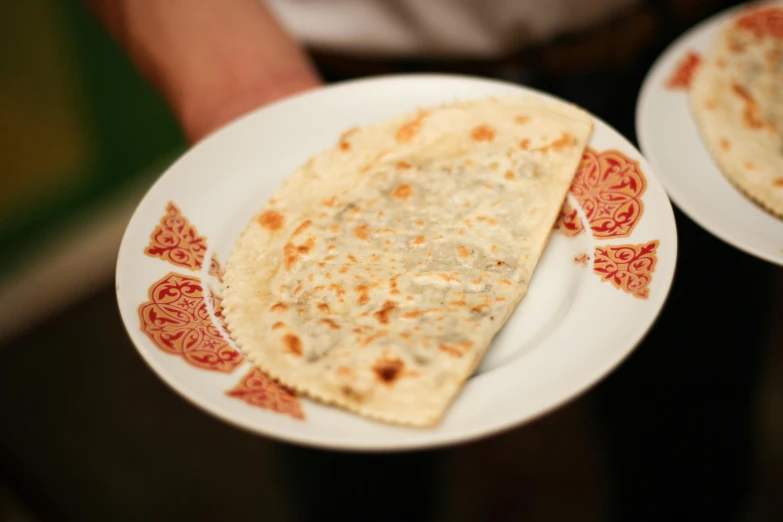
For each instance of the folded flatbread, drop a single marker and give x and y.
(376, 277)
(737, 100)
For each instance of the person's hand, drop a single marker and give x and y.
(212, 60)
(213, 109)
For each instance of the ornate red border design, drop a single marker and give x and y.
(257, 389)
(175, 240)
(681, 78)
(177, 321)
(628, 267)
(609, 187)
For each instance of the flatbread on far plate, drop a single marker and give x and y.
(377, 276)
(737, 101)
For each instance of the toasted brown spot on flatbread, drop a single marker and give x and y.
(271, 220)
(521, 119)
(388, 370)
(524, 144)
(408, 131)
(373, 337)
(450, 350)
(778, 182)
(362, 231)
(306, 247)
(751, 112)
(279, 307)
(463, 251)
(393, 285)
(278, 325)
(293, 344)
(509, 175)
(735, 46)
(402, 192)
(292, 252)
(482, 133)
(565, 140)
(331, 202)
(724, 144)
(330, 323)
(750, 165)
(419, 240)
(323, 307)
(458, 303)
(382, 315)
(762, 21)
(301, 228)
(344, 144)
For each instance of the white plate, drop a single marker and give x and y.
(670, 139)
(572, 328)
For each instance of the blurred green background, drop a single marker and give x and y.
(79, 126)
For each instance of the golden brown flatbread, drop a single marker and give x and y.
(377, 276)
(737, 101)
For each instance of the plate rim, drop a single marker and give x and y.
(428, 440)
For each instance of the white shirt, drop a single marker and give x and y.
(437, 28)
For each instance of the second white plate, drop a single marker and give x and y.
(670, 139)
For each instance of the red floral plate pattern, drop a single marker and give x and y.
(611, 261)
